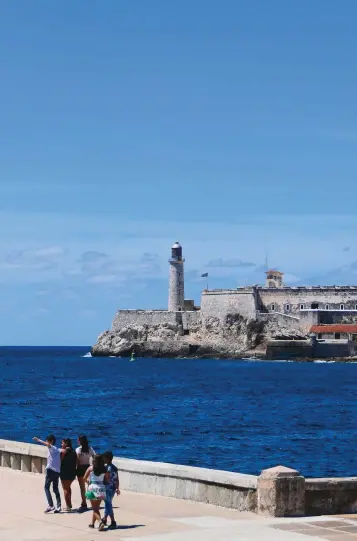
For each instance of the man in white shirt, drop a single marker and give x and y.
(53, 469)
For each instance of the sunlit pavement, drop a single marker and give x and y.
(150, 518)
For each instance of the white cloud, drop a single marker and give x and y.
(138, 251)
(104, 279)
(230, 263)
(42, 292)
(43, 311)
(37, 259)
(291, 279)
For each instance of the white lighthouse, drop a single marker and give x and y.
(176, 280)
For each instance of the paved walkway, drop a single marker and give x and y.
(151, 518)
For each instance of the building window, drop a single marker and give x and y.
(342, 307)
(327, 307)
(314, 306)
(337, 336)
(272, 308)
(319, 336)
(302, 306)
(287, 307)
(356, 307)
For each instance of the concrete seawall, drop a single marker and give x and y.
(226, 489)
(276, 492)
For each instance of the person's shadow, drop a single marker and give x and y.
(125, 527)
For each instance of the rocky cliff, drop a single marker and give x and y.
(235, 337)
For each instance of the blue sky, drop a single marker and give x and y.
(127, 125)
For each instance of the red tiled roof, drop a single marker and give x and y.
(347, 328)
(274, 271)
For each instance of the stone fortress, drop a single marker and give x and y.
(289, 320)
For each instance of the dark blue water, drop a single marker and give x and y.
(232, 415)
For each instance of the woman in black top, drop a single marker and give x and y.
(68, 470)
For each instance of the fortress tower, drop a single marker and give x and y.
(176, 280)
(274, 278)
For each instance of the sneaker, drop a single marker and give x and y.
(49, 509)
(58, 509)
(113, 526)
(101, 526)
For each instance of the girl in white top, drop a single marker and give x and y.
(96, 476)
(85, 455)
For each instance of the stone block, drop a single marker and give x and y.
(25, 463)
(15, 461)
(5, 459)
(281, 493)
(36, 464)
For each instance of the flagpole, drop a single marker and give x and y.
(205, 275)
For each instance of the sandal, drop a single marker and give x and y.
(90, 525)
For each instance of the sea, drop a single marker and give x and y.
(241, 416)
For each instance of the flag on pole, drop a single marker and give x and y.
(204, 275)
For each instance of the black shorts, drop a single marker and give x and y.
(65, 476)
(81, 470)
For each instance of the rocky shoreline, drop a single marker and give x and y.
(110, 344)
(238, 339)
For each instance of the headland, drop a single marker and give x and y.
(270, 321)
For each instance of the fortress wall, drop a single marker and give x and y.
(334, 297)
(220, 302)
(123, 318)
(281, 324)
(308, 319)
(190, 319)
(330, 316)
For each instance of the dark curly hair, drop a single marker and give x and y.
(98, 465)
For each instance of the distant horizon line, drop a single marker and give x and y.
(42, 346)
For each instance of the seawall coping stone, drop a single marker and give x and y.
(218, 477)
(278, 472)
(162, 469)
(20, 448)
(337, 483)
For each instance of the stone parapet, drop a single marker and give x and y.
(23, 456)
(277, 492)
(281, 493)
(331, 496)
(226, 489)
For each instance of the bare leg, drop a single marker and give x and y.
(70, 494)
(67, 493)
(82, 487)
(96, 511)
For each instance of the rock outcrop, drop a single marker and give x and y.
(236, 337)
